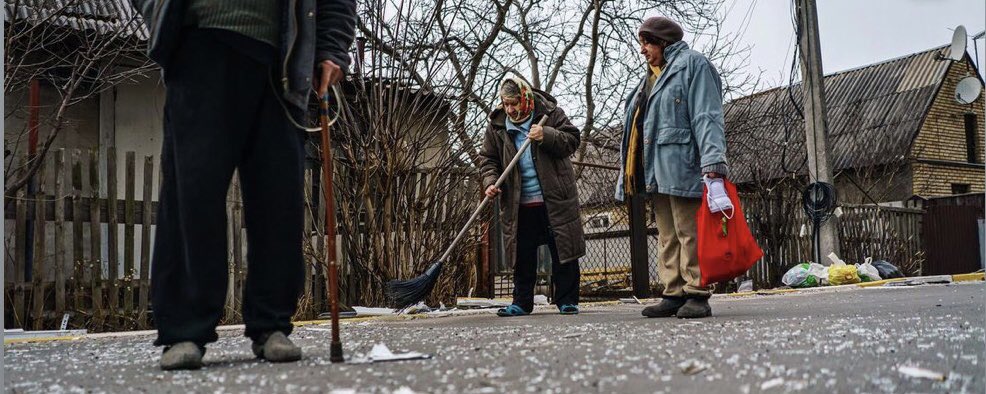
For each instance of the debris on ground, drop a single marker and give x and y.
(17, 334)
(692, 367)
(540, 299)
(420, 307)
(381, 353)
(923, 280)
(631, 300)
(745, 286)
(479, 303)
(775, 382)
(921, 373)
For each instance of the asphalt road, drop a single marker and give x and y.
(844, 341)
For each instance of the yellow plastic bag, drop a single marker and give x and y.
(843, 275)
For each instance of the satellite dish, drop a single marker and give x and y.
(957, 50)
(968, 90)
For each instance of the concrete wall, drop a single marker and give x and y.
(138, 120)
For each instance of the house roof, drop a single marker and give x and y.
(103, 16)
(874, 113)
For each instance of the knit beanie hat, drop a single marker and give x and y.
(663, 28)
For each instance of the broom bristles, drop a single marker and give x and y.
(404, 293)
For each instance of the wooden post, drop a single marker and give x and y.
(816, 129)
(95, 230)
(38, 287)
(78, 247)
(145, 238)
(639, 267)
(112, 243)
(129, 217)
(59, 233)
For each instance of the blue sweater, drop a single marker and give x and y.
(530, 188)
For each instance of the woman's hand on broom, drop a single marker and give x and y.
(492, 191)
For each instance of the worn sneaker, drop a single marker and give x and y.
(695, 308)
(182, 355)
(666, 308)
(276, 347)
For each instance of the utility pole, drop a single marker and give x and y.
(816, 129)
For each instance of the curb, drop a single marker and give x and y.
(973, 277)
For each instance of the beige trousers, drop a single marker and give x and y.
(678, 239)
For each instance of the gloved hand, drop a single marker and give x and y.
(718, 199)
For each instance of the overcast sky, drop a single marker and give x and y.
(853, 32)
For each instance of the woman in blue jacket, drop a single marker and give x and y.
(672, 137)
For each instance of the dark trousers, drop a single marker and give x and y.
(533, 230)
(221, 114)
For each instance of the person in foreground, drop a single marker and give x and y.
(539, 199)
(238, 76)
(672, 137)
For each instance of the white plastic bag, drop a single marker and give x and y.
(867, 272)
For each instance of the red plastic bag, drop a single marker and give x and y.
(726, 248)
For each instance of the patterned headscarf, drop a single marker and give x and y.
(521, 90)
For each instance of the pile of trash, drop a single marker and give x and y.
(839, 273)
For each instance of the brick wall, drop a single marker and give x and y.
(942, 137)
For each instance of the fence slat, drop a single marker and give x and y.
(20, 256)
(128, 234)
(78, 257)
(145, 237)
(95, 248)
(59, 232)
(37, 266)
(112, 241)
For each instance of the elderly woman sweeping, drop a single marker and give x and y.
(673, 136)
(539, 201)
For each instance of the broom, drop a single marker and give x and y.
(404, 293)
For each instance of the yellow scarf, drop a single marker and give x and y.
(631, 165)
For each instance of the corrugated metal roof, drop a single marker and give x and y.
(103, 16)
(874, 113)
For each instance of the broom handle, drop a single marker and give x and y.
(486, 200)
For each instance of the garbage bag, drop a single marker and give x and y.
(887, 270)
(802, 275)
(867, 272)
(843, 275)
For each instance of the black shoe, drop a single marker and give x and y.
(695, 308)
(666, 308)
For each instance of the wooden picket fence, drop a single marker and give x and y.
(74, 223)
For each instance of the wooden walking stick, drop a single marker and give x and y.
(332, 265)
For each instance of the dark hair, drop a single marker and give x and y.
(649, 38)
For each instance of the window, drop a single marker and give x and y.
(970, 137)
(599, 221)
(960, 188)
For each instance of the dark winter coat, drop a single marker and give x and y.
(555, 174)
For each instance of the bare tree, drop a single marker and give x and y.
(75, 50)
